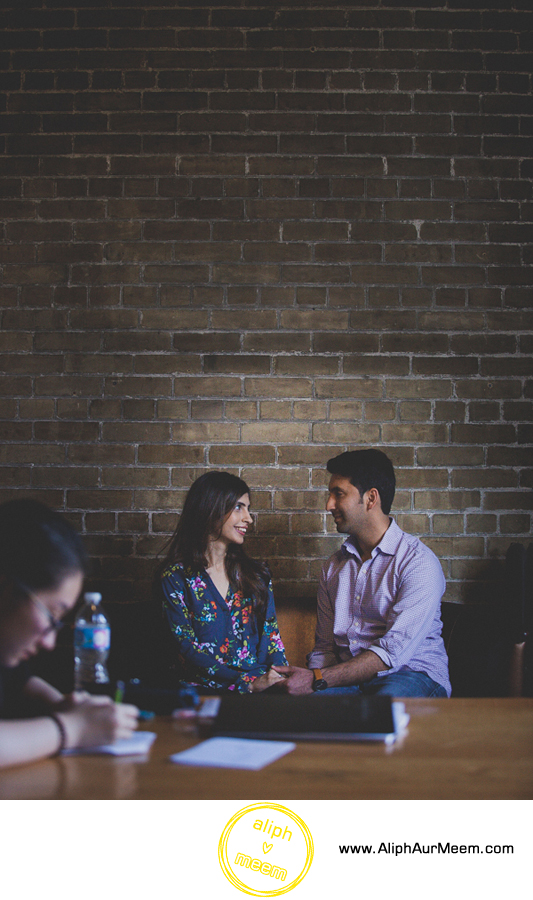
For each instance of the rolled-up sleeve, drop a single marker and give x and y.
(410, 618)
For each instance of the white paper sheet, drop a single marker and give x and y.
(233, 753)
(138, 744)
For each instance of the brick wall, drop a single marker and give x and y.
(250, 236)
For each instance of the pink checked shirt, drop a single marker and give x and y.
(389, 604)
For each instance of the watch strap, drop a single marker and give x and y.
(319, 682)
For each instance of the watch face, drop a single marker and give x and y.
(320, 684)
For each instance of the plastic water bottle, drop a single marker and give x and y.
(92, 639)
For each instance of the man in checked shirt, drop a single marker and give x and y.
(378, 617)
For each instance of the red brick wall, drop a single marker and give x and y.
(252, 235)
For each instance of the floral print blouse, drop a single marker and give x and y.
(218, 643)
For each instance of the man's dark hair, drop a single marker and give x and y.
(367, 469)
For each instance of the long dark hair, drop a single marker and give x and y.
(38, 547)
(209, 500)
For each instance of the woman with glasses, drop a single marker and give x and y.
(218, 602)
(42, 566)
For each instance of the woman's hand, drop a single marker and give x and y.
(91, 721)
(268, 680)
(70, 701)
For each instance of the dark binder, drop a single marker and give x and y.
(312, 717)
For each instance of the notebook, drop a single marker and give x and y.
(310, 717)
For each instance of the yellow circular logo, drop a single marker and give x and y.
(265, 850)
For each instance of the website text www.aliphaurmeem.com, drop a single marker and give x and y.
(405, 849)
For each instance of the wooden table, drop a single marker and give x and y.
(476, 749)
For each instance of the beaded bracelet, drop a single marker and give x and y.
(62, 733)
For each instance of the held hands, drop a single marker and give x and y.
(297, 681)
(91, 721)
(268, 680)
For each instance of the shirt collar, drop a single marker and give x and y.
(388, 544)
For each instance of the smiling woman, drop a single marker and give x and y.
(219, 603)
(42, 566)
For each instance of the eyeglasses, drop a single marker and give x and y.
(53, 623)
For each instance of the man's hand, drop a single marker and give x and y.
(264, 682)
(298, 681)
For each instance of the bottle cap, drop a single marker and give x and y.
(92, 597)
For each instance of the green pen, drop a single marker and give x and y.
(119, 692)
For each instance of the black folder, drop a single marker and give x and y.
(312, 717)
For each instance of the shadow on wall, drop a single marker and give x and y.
(123, 570)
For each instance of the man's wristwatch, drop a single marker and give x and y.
(319, 683)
